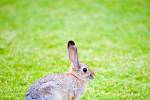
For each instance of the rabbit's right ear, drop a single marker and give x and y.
(73, 54)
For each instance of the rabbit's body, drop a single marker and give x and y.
(55, 87)
(68, 86)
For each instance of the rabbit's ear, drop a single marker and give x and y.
(73, 54)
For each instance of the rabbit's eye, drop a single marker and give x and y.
(84, 69)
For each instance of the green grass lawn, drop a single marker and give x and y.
(113, 37)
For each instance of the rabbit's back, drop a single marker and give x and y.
(51, 87)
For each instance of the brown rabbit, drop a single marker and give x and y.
(67, 86)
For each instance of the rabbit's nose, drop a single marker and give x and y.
(92, 76)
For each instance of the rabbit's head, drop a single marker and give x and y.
(80, 70)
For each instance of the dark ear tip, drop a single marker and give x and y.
(71, 43)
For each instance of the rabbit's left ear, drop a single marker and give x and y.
(73, 54)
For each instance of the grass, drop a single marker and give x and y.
(113, 38)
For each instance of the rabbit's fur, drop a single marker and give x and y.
(67, 86)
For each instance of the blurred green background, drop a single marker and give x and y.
(113, 38)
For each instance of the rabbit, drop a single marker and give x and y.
(67, 86)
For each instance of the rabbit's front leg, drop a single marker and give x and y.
(72, 97)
